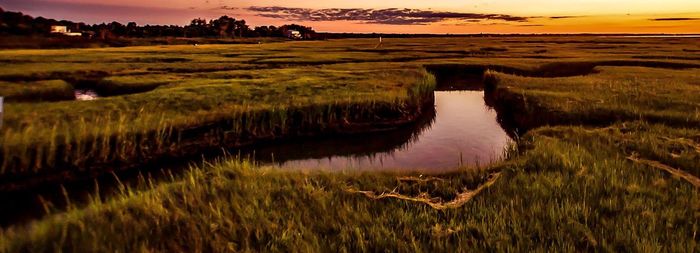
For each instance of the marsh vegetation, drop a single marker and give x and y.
(605, 157)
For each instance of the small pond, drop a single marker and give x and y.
(85, 94)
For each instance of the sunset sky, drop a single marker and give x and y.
(393, 16)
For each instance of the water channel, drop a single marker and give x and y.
(461, 130)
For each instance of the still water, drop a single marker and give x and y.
(463, 131)
(85, 95)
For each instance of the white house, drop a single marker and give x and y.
(293, 34)
(63, 30)
(59, 29)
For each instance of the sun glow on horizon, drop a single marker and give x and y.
(538, 16)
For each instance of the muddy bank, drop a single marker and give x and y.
(361, 140)
(278, 152)
(65, 164)
(555, 69)
(31, 199)
(72, 82)
(385, 129)
(521, 113)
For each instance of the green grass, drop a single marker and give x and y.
(276, 101)
(567, 191)
(170, 89)
(616, 93)
(568, 185)
(49, 90)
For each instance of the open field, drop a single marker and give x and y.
(607, 156)
(43, 42)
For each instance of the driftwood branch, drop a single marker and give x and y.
(673, 171)
(461, 199)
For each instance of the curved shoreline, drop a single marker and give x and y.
(212, 137)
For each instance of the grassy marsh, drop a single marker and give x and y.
(569, 184)
(567, 191)
(220, 106)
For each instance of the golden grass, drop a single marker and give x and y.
(568, 186)
(673, 171)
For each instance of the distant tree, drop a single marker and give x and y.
(42, 25)
(263, 31)
(197, 28)
(224, 26)
(306, 32)
(104, 31)
(16, 23)
(242, 28)
(117, 29)
(198, 22)
(132, 30)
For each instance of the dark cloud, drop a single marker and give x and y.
(674, 19)
(565, 17)
(227, 8)
(470, 24)
(392, 16)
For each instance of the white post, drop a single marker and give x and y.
(380, 42)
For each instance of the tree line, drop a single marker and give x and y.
(17, 23)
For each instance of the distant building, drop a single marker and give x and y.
(63, 30)
(59, 29)
(293, 34)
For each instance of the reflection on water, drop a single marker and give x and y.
(463, 131)
(85, 94)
